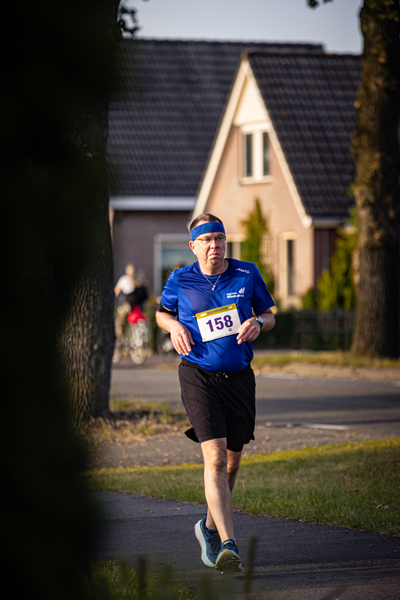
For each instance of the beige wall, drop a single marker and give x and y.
(232, 201)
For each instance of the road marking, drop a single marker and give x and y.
(318, 426)
(280, 376)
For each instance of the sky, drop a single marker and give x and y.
(335, 25)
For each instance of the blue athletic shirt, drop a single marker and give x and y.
(188, 293)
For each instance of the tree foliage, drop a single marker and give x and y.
(256, 227)
(337, 287)
(127, 19)
(315, 3)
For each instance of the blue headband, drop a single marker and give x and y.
(206, 228)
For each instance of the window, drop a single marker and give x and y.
(289, 267)
(173, 256)
(248, 155)
(171, 251)
(233, 250)
(255, 156)
(266, 158)
(324, 249)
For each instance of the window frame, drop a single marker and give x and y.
(234, 245)
(159, 240)
(255, 133)
(288, 289)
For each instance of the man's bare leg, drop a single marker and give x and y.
(220, 470)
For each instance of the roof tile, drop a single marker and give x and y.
(165, 115)
(310, 99)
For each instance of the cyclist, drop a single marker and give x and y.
(129, 292)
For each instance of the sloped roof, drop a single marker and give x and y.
(163, 121)
(310, 99)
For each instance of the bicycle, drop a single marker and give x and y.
(164, 343)
(135, 338)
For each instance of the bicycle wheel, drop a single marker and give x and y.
(118, 352)
(116, 358)
(164, 344)
(138, 343)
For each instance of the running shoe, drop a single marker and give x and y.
(228, 559)
(209, 541)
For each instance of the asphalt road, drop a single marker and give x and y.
(286, 400)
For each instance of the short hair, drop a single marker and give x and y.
(209, 218)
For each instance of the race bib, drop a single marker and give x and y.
(219, 322)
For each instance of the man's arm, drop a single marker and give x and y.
(181, 337)
(250, 329)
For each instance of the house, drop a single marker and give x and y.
(162, 123)
(284, 139)
(176, 132)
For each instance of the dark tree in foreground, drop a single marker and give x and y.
(375, 149)
(56, 78)
(86, 339)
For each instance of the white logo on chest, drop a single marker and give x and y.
(238, 294)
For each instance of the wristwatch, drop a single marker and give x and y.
(260, 320)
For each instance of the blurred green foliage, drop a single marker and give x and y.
(255, 227)
(336, 287)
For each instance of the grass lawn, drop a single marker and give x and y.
(335, 358)
(354, 484)
(119, 581)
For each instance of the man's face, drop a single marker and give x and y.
(209, 250)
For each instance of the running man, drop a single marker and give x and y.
(222, 304)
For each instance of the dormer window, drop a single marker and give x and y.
(255, 156)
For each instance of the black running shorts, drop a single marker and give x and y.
(219, 405)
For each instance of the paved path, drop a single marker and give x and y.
(294, 560)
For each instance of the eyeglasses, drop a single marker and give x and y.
(219, 239)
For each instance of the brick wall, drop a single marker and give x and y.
(133, 238)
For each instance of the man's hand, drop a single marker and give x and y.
(250, 329)
(181, 338)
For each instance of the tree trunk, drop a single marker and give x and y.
(86, 340)
(375, 148)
